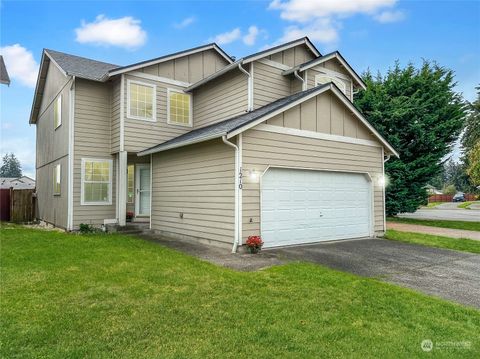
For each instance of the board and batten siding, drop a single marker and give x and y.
(52, 149)
(190, 68)
(324, 113)
(262, 149)
(140, 134)
(197, 182)
(294, 56)
(220, 99)
(92, 140)
(332, 65)
(269, 84)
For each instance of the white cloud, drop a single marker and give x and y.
(306, 10)
(389, 16)
(321, 20)
(20, 64)
(185, 22)
(123, 32)
(24, 150)
(322, 30)
(227, 37)
(250, 38)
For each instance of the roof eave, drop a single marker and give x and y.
(158, 149)
(273, 50)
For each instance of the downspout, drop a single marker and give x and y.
(236, 239)
(386, 158)
(71, 159)
(250, 87)
(295, 73)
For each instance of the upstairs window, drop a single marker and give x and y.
(96, 182)
(141, 101)
(57, 173)
(325, 79)
(179, 108)
(57, 112)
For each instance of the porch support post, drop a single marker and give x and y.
(122, 188)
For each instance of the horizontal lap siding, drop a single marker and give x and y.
(268, 84)
(116, 87)
(261, 149)
(222, 98)
(139, 134)
(197, 181)
(93, 133)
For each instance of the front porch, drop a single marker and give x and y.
(134, 190)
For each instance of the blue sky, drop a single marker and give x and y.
(369, 33)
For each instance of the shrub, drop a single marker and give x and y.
(87, 228)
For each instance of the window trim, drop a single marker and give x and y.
(332, 77)
(57, 104)
(154, 101)
(57, 170)
(82, 189)
(190, 117)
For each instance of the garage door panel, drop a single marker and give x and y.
(302, 206)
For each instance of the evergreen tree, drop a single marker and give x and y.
(11, 166)
(418, 112)
(471, 142)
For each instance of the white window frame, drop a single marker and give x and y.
(190, 117)
(132, 201)
(334, 79)
(57, 107)
(82, 190)
(154, 101)
(57, 178)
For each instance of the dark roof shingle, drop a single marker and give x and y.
(4, 78)
(81, 66)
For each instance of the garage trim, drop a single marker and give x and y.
(371, 224)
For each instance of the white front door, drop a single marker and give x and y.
(304, 206)
(142, 190)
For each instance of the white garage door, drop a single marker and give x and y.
(302, 206)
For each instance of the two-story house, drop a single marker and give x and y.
(205, 147)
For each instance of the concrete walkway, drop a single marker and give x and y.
(436, 231)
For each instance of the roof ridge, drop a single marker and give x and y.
(79, 57)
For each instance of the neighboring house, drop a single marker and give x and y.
(23, 182)
(205, 147)
(432, 190)
(4, 78)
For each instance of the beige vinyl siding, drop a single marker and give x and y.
(294, 56)
(191, 68)
(52, 149)
(262, 149)
(141, 134)
(52, 208)
(222, 98)
(92, 140)
(116, 87)
(133, 159)
(268, 84)
(330, 65)
(198, 181)
(323, 113)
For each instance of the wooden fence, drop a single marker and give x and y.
(17, 205)
(449, 197)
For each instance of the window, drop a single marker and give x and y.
(57, 112)
(179, 108)
(141, 101)
(130, 184)
(57, 173)
(96, 182)
(325, 79)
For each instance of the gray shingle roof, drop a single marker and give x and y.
(224, 127)
(81, 66)
(4, 78)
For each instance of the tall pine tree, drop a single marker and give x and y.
(419, 113)
(11, 166)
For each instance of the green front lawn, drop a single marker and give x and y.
(466, 204)
(459, 244)
(470, 226)
(72, 296)
(433, 204)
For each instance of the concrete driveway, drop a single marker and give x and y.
(448, 274)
